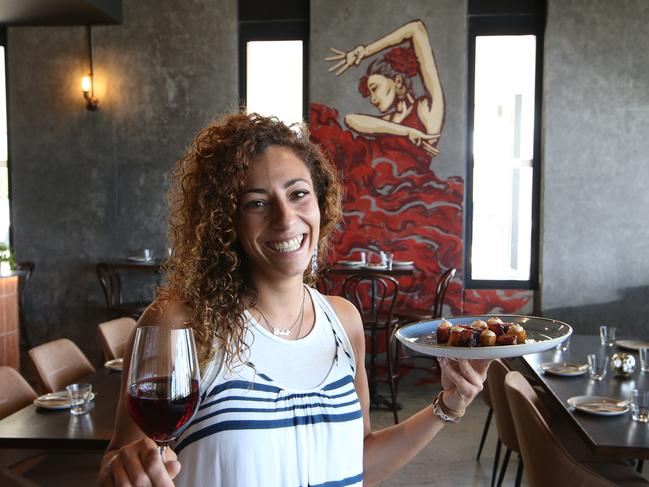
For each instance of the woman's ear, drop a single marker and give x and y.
(398, 81)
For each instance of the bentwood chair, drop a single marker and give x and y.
(408, 315)
(375, 296)
(114, 336)
(408, 359)
(504, 424)
(111, 285)
(486, 397)
(59, 363)
(547, 461)
(28, 268)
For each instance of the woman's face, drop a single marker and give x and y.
(382, 91)
(278, 220)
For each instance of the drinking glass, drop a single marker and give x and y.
(644, 359)
(79, 396)
(163, 382)
(607, 335)
(363, 257)
(597, 366)
(640, 405)
(148, 254)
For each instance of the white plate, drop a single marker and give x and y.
(599, 405)
(115, 364)
(542, 334)
(564, 369)
(632, 344)
(374, 267)
(135, 258)
(353, 263)
(56, 400)
(402, 263)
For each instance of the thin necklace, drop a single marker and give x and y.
(279, 331)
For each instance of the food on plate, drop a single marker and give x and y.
(443, 331)
(487, 338)
(491, 333)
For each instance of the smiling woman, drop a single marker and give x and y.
(253, 206)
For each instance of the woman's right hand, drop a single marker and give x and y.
(138, 464)
(345, 60)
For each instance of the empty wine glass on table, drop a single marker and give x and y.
(163, 382)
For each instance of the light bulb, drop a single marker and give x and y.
(86, 84)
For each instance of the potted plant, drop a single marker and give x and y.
(7, 259)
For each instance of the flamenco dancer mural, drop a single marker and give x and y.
(394, 200)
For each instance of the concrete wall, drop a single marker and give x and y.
(595, 246)
(89, 186)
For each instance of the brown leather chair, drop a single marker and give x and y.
(547, 462)
(504, 424)
(16, 391)
(375, 297)
(409, 315)
(59, 363)
(10, 479)
(114, 336)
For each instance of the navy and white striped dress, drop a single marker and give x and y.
(292, 420)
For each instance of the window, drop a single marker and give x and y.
(5, 219)
(274, 79)
(505, 60)
(273, 47)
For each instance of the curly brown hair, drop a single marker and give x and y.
(207, 269)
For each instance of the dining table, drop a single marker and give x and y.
(33, 427)
(347, 270)
(609, 436)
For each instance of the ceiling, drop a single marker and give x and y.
(60, 12)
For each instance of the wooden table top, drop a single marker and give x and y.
(608, 436)
(34, 427)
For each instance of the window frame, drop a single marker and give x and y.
(504, 24)
(286, 21)
(3, 43)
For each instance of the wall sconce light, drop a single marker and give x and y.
(88, 82)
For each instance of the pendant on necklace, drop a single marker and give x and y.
(280, 332)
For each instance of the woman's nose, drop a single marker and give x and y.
(283, 214)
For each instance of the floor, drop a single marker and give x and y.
(450, 459)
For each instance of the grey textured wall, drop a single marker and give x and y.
(595, 247)
(89, 186)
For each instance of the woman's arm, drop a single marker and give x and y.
(369, 124)
(389, 449)
(131, 458)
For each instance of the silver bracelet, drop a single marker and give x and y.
(437, 409)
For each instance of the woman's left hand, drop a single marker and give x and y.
(462, 381)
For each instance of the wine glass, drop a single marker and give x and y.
(163, 382)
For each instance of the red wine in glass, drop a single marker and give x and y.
(163, 387)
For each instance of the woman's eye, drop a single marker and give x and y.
(254, 204)
(300, 193)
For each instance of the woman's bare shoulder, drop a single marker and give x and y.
(165, 312)
(348, 316)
